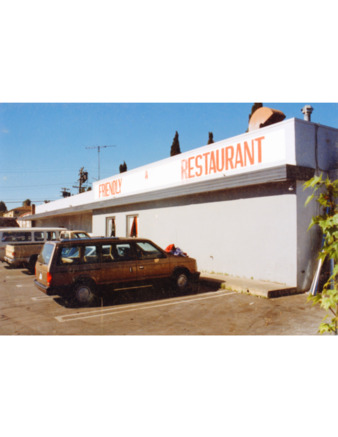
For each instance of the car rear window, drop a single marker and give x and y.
(46, 253)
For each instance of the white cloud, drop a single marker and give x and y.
(5, 131)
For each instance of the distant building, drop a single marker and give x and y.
(21, 212)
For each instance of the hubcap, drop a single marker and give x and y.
(182, 281)
(83, 294)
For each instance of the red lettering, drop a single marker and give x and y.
(259, 140)
(239, 157)
(228, 159)
(247, 155)
(212, 167)
(184, 169)
(190, 167)
(199, 166)
(206, 161)
(220, 167)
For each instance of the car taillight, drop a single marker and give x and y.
(13, 253)
(49, 279)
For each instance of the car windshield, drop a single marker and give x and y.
(80, 235)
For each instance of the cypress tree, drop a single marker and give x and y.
(211, 138)
(175, 147)
(123, 167)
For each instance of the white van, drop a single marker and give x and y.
(20, 236)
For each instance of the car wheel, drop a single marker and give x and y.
(182, 280)
(31, 265)
(84, 293)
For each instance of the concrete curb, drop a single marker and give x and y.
(264, 289)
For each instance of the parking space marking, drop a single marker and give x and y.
(137, 307)
(43, 298)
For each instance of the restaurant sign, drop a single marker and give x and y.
(245, 153)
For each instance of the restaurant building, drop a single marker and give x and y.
(236, 205)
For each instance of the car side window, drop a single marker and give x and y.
(90, 255)
(70, 255)
(51, 236)
(108, 253)
(38, 236)
(145, 250)
(124, 252)
(79, 254)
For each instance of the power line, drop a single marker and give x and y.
(34, 186)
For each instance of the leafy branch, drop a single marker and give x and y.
(325, 192)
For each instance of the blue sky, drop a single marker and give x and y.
(43, 146)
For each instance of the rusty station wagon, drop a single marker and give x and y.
(78, 268)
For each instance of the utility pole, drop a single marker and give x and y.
(83, 177)
(98, 155)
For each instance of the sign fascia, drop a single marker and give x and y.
(250, 152)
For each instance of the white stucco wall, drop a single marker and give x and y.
(308, 241)
(254, 237)
(80, 221)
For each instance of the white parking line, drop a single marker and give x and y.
(135, 307)
(43, 298)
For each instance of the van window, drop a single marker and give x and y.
(124, 252)
(46, 253)
(78, 254)
(146, 250)
(90, 255)
(51, 236)
(108, 253)
(38, 236)
(16, 237)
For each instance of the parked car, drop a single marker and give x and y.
(21, 246)
(69, 235)
(78, 268)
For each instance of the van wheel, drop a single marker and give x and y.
(31, 265)
(182, 280)
(84, 293)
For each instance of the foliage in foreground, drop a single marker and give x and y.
(325, 193)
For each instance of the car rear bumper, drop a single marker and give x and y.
(43, 288)
(12, 262)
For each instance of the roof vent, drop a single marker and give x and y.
(265, 117)
(307, 111)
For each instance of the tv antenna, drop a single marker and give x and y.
(98, 155)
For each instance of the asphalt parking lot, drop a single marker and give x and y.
(24, 310)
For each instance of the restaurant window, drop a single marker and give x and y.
(110, 227)
(132, 226)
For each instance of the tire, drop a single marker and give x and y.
(84, 293)
(31, 265)
(182, 280)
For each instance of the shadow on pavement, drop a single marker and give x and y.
(145, 294)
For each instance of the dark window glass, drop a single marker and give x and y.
(124, 252)
(46, 253)
(38, 236)
(16, 237)
(145, 250)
